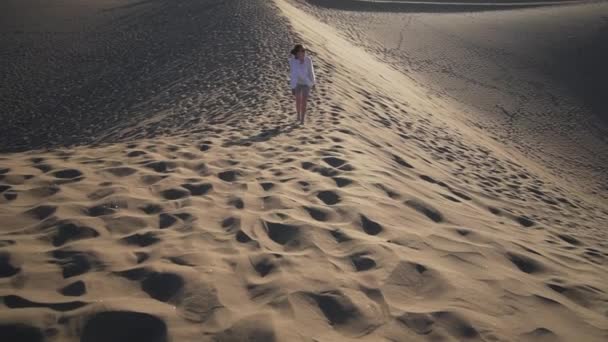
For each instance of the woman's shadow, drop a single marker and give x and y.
(264, 135)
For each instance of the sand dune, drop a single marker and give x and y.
(532, 78)
(92, 69)
(434, 6)
(387, 217)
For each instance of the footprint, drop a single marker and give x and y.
(362, 262)
(524, 263)
(186, 217)
(166, 220)
(19, 332)
(461, 195)
(346, 167)
(141, 240)
(337, 308)
(65, 232)
(339, 236)
(455, 324)
(307, 165)
(584, 295)
(102, 210)
(120, 171)
(44, 191)
(524, 221)
(124, 326)
(151, 179)
(569, 239)
(162, 286)
(74, 289)
(242, 237)
(151, 209)
(323, 171)
(174, 194)
(67, 174)
(198, 189)
(420, 323)
(369, 226)
(402, 162)
(317, 213)
(342, 182)
(281, 233)
(425, 209)
(305, 186)
(494, 210)
(134, 154)
(236, 202)
(10, 195)
(231, 224)
(334, 162)
(44, 168)
(199, 303)
(141, 257)
(451, 198)
(41, 212)
(6, 269)
(263, 266)
(101, 193)
(329, 197)
(16, 302)
(390, 193)
(228, 176)
(540, 334)
(138, 273)
(180, 261)
(411, 282)
(267, 186)
(161, 166)
(428, 179)
(74, 263)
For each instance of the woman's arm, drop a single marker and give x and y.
(292, 74)
(311, 70)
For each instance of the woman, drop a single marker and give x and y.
(302, 79)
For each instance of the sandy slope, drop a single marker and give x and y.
(386, 217)
(533, 79)
(77, 72)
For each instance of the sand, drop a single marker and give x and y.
(532, 79)
(200, 211)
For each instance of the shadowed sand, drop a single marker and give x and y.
(436, 6)
(212, 216)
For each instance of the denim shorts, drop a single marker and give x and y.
(302, 89)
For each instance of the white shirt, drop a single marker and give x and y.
(301, 73)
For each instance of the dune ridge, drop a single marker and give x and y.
(431, 6)
(385, 217)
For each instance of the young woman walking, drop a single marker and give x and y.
(302, 79)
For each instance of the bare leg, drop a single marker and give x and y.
(298, 106)
(303, 109)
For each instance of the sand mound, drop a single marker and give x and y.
(385, 217)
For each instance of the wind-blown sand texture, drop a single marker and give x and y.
(155, 187)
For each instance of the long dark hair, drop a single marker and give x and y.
(297, 49)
